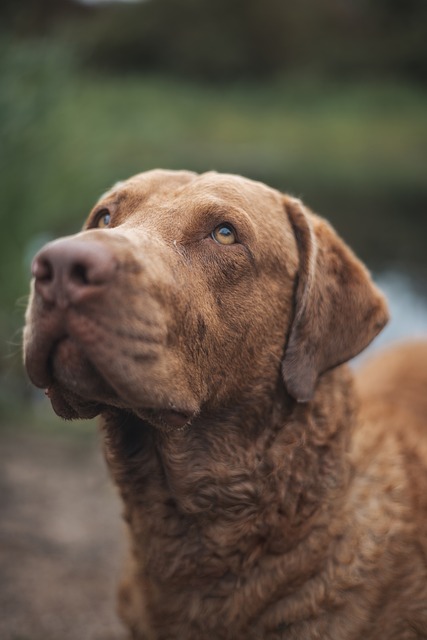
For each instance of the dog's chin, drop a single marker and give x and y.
(71, 406)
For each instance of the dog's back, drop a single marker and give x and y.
(392, 387)
(398, 376)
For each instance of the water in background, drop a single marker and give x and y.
(408, 309)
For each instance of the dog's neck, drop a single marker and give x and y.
(232, 510)
(275, 469)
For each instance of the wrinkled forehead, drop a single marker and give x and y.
(150, 185)
(255, 198)
(165, 191)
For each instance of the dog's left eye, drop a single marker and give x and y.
(224, 234)
(103, 219)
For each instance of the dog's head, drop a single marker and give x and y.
(185, 290)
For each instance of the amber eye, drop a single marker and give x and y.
(224, 234)
(103, 219)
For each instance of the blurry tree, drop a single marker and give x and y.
(228, 39)
(223, 39)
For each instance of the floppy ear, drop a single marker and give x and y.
(338, 309)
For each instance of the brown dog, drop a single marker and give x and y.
(204, 318)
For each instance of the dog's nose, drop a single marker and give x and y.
(70, 270)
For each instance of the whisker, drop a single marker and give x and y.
(22, 301)
(15, 341)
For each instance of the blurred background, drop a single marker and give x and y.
(326, 100)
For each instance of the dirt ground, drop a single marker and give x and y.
(61, 539)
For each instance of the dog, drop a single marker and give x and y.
(207, 319)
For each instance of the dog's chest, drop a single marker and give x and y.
(211, 531)
(208, 525)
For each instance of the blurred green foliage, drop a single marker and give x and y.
(289, 96)
(222, 39)
(219, 39)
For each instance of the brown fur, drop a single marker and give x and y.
(261, 502)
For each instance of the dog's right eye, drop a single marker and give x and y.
(224, 234)
(103, 219)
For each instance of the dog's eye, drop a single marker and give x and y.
(103, 219)
(224, 234)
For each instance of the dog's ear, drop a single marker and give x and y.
(338, 310)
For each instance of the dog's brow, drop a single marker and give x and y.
(220, 211)
(113, 197)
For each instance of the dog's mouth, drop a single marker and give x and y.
(78, 389)
(86, 370)
(73, 383)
